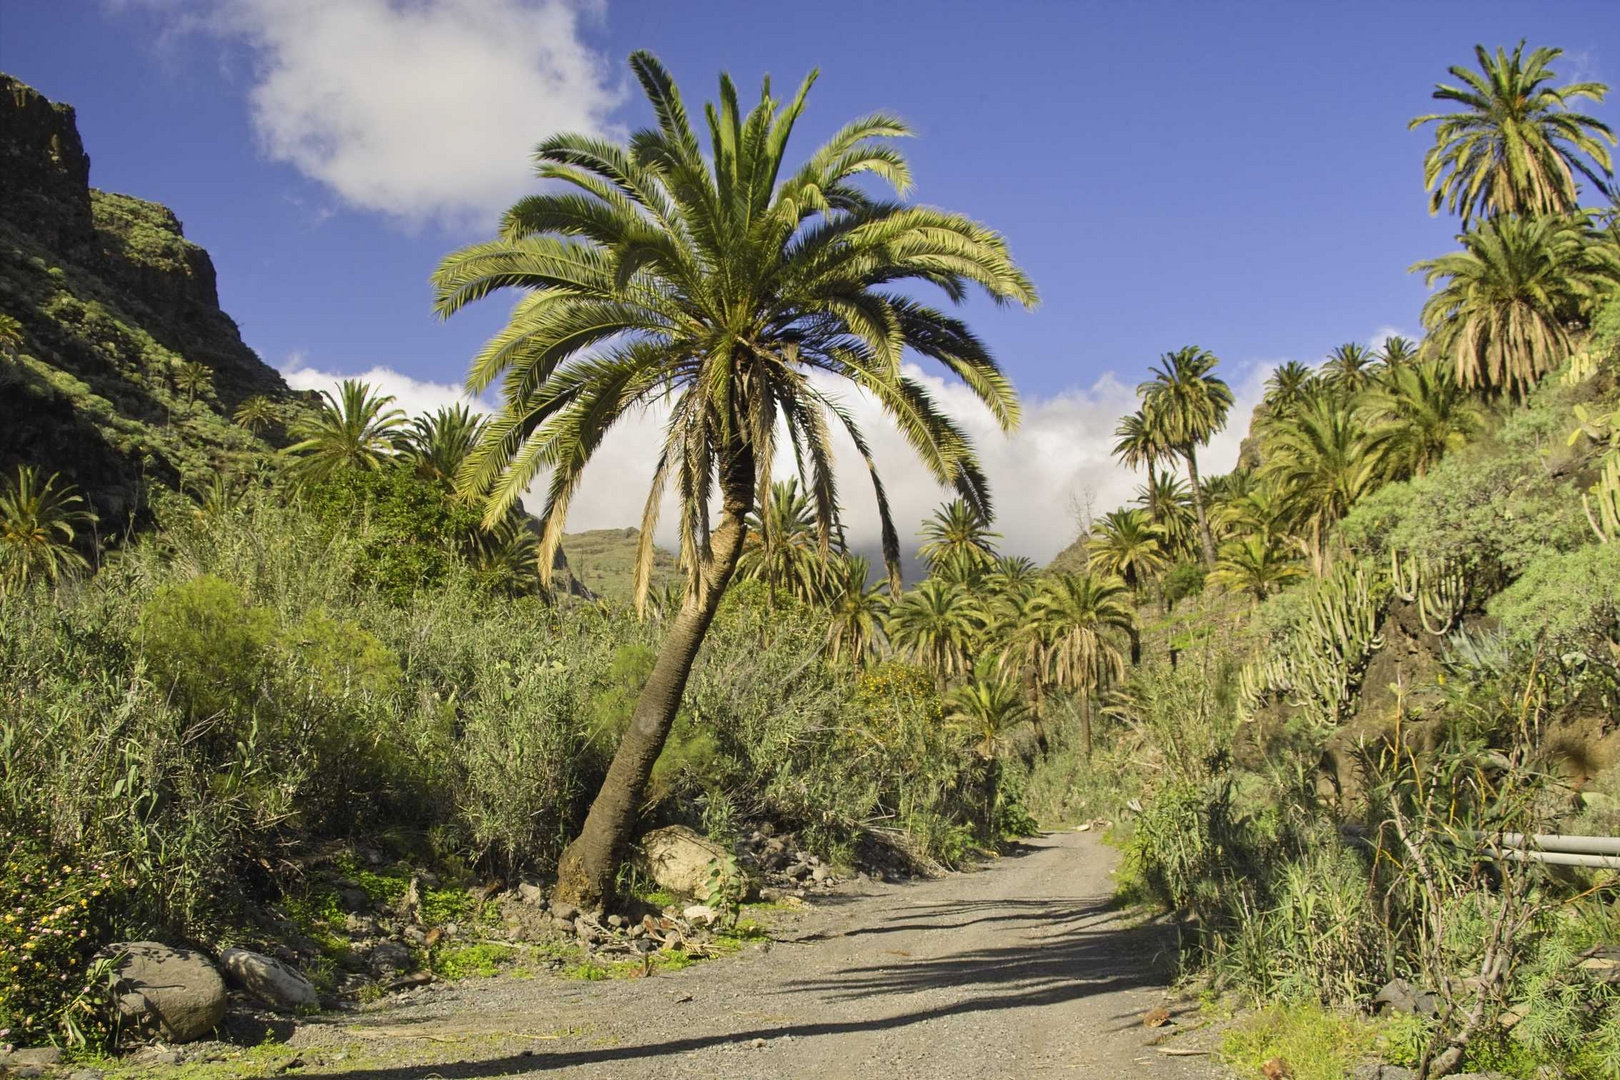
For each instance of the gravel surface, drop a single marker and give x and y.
(1017, 969)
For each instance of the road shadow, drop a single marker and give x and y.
(1058, 951)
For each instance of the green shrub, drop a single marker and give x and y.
(206, 641)
(56, 910)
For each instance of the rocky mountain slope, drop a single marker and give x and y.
(112, 300)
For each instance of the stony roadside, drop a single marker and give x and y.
(1017, 969)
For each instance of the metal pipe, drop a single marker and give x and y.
(1574, 845)
(1564, 858)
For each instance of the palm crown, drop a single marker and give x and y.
(1515, 146)
(730, 290)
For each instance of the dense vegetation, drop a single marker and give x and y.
(1315, 696)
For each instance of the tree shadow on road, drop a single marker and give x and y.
(1059, 951)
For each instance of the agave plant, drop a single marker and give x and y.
(39, 523)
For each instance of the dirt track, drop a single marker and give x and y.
(1016, 970)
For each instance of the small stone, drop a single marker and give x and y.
(798, 870)
(820, 874)
(35, 1055)
(354, 899)
(586, 932)
(388, 958)
(28, 1072)
(86, 1074)
(565, 925)
(562, 910)
(758, 1044)
(616, 921)
(768, 895)
(531, 894)
(701, 915)
(1156, 1017)
(415, 935)
(643, 945)
(360, 925)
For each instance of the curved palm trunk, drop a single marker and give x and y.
(1198, 504)
(586, 871)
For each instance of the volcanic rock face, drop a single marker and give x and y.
(112, 300)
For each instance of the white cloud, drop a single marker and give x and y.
(427, 110)
(1058, 456)
(413, 395)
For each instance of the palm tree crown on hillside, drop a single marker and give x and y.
(40, 519)
(1515, 145)
(855, 611)
(258, 414)
(438, 443)
(935, 626)
(1185, 405)
(354, 429)
(1349, 368)
(1137, 446)
(781, 547)
(957, 534)
(1078, 618)
(1504, 315)
(1126, 545)
(726, 285)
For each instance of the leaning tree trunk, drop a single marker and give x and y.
(1198, 505)
(586, 871)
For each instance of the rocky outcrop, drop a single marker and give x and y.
(112, 299)
(175, 994)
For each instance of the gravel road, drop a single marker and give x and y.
(1017, 969)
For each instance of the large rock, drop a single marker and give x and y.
(278, 985)
(680, 860)
(176, 994)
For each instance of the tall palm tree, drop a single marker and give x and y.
(1323, 459)
(1185, 405)
(720, 284)
(11, 336)
(353, 430)
(1126, 545)
(1138, 445)
(781, 547)
(258, 414)
(957, 533)
(989, 704)
(1425, 415)
(1254, 566)
(437, 444)
(1287, 387)
(1260, 511)
(1397, 352)
(1515, 146)
(1510, 297)
(855, 611)
(194, 379)
(1076, 618)
(935, 626)
(1171, 510)
(1349, 368)
(39, 522)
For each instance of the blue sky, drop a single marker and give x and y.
(1236, 175)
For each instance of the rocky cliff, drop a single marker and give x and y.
(112, 300)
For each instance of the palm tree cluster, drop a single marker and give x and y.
(358, 429)
(1325, 438)
(1533, 266)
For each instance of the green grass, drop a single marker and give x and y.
(1316, 1043)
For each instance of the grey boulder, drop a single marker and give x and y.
(278, 985)
(175, 993)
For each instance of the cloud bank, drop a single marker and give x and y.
(1056, 461)
(427, 111)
